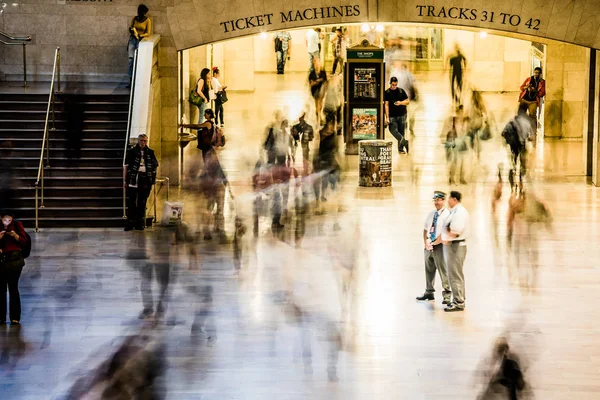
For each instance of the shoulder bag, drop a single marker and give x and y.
(195, 98)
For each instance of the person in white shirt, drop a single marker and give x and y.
(312, 43)
(454, 236)
(434, 249)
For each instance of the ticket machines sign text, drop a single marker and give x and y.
(473, 14)
(307, 14)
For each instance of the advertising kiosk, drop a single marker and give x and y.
(364, 87)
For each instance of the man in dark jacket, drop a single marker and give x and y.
(139, 174)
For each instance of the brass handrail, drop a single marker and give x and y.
(20, 38)
(127, 133)
(20, 41)
(45, 144)
(161, 180)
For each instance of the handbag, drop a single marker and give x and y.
(222, 96)
(195, 98)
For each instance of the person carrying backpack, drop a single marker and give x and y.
(15, 246)
(516, 135)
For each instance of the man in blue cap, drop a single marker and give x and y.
(434, 249)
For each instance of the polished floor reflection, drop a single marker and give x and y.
(333, 316)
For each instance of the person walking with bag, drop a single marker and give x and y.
(139, 174)
(221, 97)
(15, 244)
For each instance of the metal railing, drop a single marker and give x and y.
(161, 180)
(39, 183)
(19, 40)
(128, 133)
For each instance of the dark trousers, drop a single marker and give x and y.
(336, 61)
(456, 83)
(136, 204)
(162, 274)
(9, 279)
(218, 111)
(398, 130)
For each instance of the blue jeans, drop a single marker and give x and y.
(132, 46)
(398, 128)
(201, 109)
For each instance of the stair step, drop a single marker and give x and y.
(39, 124)
(100, 152)
(70, 191)
(62, 143)
(106, 222)
(38, 133)
(66, 162)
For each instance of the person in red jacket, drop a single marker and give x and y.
(532, 91)
(12, 240)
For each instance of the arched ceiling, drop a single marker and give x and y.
(198, 22)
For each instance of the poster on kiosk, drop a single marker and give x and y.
(364, 87)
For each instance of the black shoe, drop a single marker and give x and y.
(454, 308)
(128, 228)
(426, 296)
(447, 301)
(140, 227)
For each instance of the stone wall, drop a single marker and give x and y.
(92, 36)
(566, 94)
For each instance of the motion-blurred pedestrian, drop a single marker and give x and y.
(458, 64)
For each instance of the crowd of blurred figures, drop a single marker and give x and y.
(295, 211)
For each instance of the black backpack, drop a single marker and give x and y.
(278, 44)
(510, 134)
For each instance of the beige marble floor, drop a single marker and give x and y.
(81, 289)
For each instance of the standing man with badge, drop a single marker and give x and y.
(434, 249)
(454, 236)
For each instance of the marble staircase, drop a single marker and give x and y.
(80, 190)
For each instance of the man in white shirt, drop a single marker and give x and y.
(434, 249)
(312, 43)
(454, 236)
